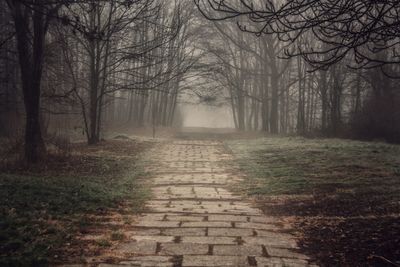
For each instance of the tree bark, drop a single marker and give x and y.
(31, 65)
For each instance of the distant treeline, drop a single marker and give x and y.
(307, 67)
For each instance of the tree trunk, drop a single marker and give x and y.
(93, 138)
(31, 64)
(273, 121)
(324, 100)
(301, 100)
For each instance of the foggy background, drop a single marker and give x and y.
(202, 115)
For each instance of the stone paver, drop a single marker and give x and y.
(185, 232)
(241, 250)
(231, 218)
(230, 232)
(209, 240)
(272, 262)
(138, 247)
(202, 261)
(184, 249)
(184, 218)
(207, 224)
(150, 261)
(271, 242)
(195, 220)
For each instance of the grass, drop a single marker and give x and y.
(44, 208)
(298, 165)
(345, 194)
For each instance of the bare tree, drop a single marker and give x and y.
(358, 28)
(31, 21)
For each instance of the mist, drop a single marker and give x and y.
(199, 133)
(206, 116)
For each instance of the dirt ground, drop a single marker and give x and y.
(342, 196)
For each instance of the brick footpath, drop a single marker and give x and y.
(194, 220)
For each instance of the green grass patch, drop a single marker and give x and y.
(41, 212)
(302, 166)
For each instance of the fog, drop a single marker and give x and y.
(161, 58)
(202, 115)
(199, 133)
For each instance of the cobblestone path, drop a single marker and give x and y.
(194, 220)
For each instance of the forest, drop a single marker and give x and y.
(84, 68)
(96, 84)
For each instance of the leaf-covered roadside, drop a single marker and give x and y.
(342, 196)
(45, 207)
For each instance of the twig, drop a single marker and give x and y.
(384, 259)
